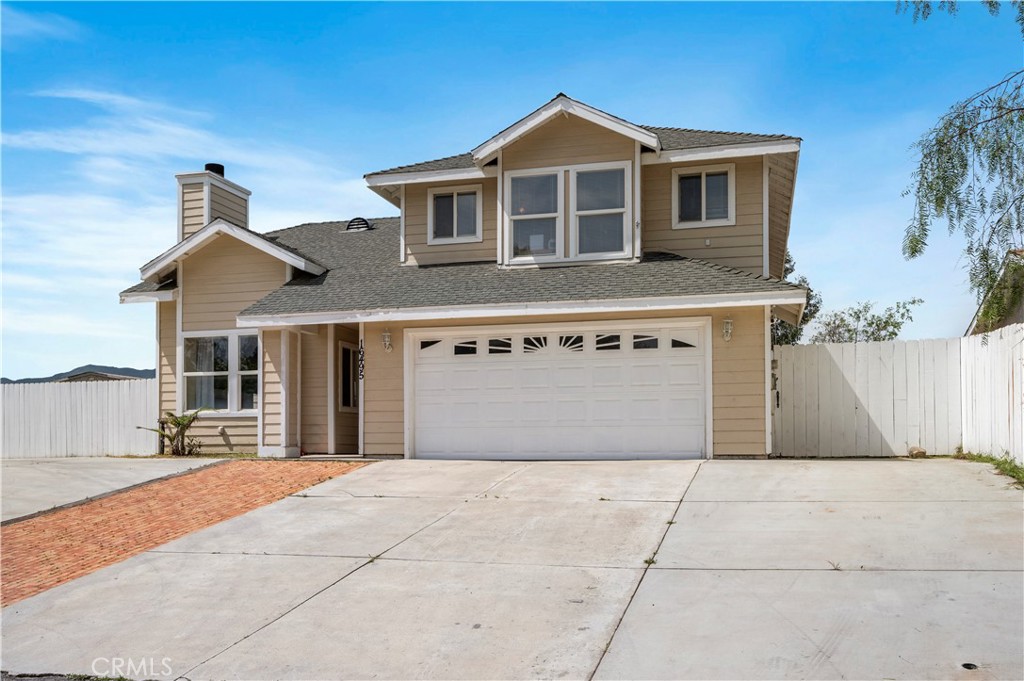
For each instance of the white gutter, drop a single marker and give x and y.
(526, 309)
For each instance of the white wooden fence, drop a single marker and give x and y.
(880, 399)
(88, 418)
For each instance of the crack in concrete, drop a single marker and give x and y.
(668, 526)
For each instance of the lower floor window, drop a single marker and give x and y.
(221, 372)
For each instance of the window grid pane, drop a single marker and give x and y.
(210, 392)
(601, 233)
(716, 196)
(690, 209)
(248, 353)
(249, 392)
(534, 237)
(444, 216)
(534, 195)
(466, 214)
(601, 189)
(206, 354)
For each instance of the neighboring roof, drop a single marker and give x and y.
(364, 274)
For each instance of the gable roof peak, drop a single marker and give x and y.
(562, 103)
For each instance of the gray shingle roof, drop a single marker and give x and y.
(671, 139)
(364, 274)
(151, 287)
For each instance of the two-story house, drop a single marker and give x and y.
(577, 286)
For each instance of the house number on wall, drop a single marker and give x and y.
(362, 356)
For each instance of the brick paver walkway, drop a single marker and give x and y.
(43, 552)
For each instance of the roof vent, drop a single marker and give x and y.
(215, 168)
(357, 225)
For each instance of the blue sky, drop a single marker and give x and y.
(103, 103)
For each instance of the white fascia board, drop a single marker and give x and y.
(395, 179)
(558, 105)
(150, 296)
(196, 241)
(527, 309)
(725, 151)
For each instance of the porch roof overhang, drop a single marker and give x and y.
(791, 300)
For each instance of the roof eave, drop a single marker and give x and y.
(691, 302)
(723, 151)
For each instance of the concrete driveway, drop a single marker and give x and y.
(33, 485)
(413, 569)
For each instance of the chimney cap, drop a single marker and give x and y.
(215, 168)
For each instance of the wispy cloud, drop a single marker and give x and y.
(20, 27)
(69, 248)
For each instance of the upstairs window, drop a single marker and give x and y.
(535, 215)
(574, 212)
(600, 210)
(704, 196)
(454, 215)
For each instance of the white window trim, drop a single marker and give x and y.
(355, 386)
(626, 211)
(477, 189)
(234, 393)
(559, 216)
(730, 168)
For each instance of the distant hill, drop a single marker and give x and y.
(87, 368)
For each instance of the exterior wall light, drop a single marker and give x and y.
(727, 329)
(386, 340)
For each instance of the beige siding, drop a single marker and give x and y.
(416, 248)
(222, 279)
(224, 204)
(740, 245)
(270, 391)
(239, 434)
(168, 353)
(314, 391)
(738, 371)
(192, 214)
(566, 141)
(781, 182)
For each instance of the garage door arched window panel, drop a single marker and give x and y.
(532, 344)
(608, 341)
(499, 346)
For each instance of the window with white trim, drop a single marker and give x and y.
(535, 215)
(455, 214)
(704, 196)
(221, 372)
(348, 377)
(598, 215)
(599, 211)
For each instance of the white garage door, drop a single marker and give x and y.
(618, 391)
